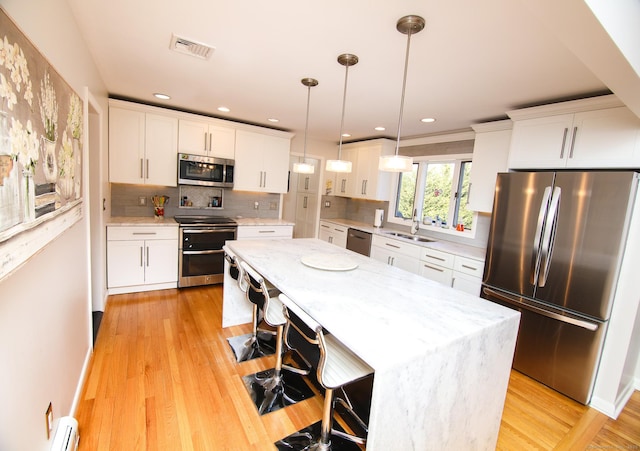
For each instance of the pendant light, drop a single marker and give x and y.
(304, 167)
(346, 59)
(398, 163)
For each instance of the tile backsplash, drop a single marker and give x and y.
(125, 201)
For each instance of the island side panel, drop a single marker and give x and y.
(452, 398)
(236, 309)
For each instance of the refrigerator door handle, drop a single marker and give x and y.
(519, 302)
(535, 255)
(549, 236)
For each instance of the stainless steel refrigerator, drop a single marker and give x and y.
(554, 253)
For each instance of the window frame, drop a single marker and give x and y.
(457, 159)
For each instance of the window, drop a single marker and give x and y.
(437, 190)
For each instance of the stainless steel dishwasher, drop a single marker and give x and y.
(359, 241)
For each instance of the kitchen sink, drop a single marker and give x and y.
(420, 239)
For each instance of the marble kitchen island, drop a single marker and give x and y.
(442, 358)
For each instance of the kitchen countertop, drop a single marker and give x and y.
(441, 357)
(167, 221)
(263, 222)
(141, 221)
(462, 250)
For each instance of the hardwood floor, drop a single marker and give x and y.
(162, 377)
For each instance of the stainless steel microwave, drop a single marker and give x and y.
(205, 171)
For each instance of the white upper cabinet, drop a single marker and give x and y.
(208, 139)
(490, 155)
(143, 147)
(261, 162)
(590, 133)
(365, 181)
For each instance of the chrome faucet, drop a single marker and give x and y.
(415, 224)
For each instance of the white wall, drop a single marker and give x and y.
(45, 337)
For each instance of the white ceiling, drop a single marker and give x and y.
(474, 61)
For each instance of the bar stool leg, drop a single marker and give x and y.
(272, 389)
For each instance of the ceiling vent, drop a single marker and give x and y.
(189, 47)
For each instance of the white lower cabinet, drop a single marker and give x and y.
(467, 274)
(333, 233)
(141, 258)
(396, 253)
(462, 273)
(264, 232)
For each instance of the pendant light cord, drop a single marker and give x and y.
(306, 125)
(404, 84)
(344, 102)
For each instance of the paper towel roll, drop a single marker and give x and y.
(378, 217)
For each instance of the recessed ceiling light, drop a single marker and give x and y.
(380, 129)
(273, 119)
(159, 95)
(427, 120)
(224, 109)
(346, 135)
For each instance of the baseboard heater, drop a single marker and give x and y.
(66, 437)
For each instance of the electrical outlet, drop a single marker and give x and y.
(327, 204)
(49, 420)
(273, 205)
(256, 205)
(142, 201)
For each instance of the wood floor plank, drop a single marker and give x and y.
(163, 377)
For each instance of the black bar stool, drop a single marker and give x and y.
(258, 343)
(283, 385)
(336, 366)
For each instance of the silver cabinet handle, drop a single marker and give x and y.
(434, 268)
(564, 141)
(210, 144)
(141, 168)
(265, 179)
(266, 231)
(435, 258)
(141, 257)
(470, 267)
(392, 245)
(144, 233)
(147, 256)
(147, 168)
(330, 239)
(306, 183)
(304, 204)
(573, 141)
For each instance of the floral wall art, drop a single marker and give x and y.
(41, 123)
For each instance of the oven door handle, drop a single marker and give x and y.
(202, 252)
(207, 230)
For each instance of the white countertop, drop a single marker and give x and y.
(141, 221)
(374, 308)
(463, 250)
(262, 222)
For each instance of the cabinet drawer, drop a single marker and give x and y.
(264, 232)
(333, 228)
(398, 246)
(468, 266)
(436, 272)
(436, 257)
(122, 233)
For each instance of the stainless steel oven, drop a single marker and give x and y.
(201, 258)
